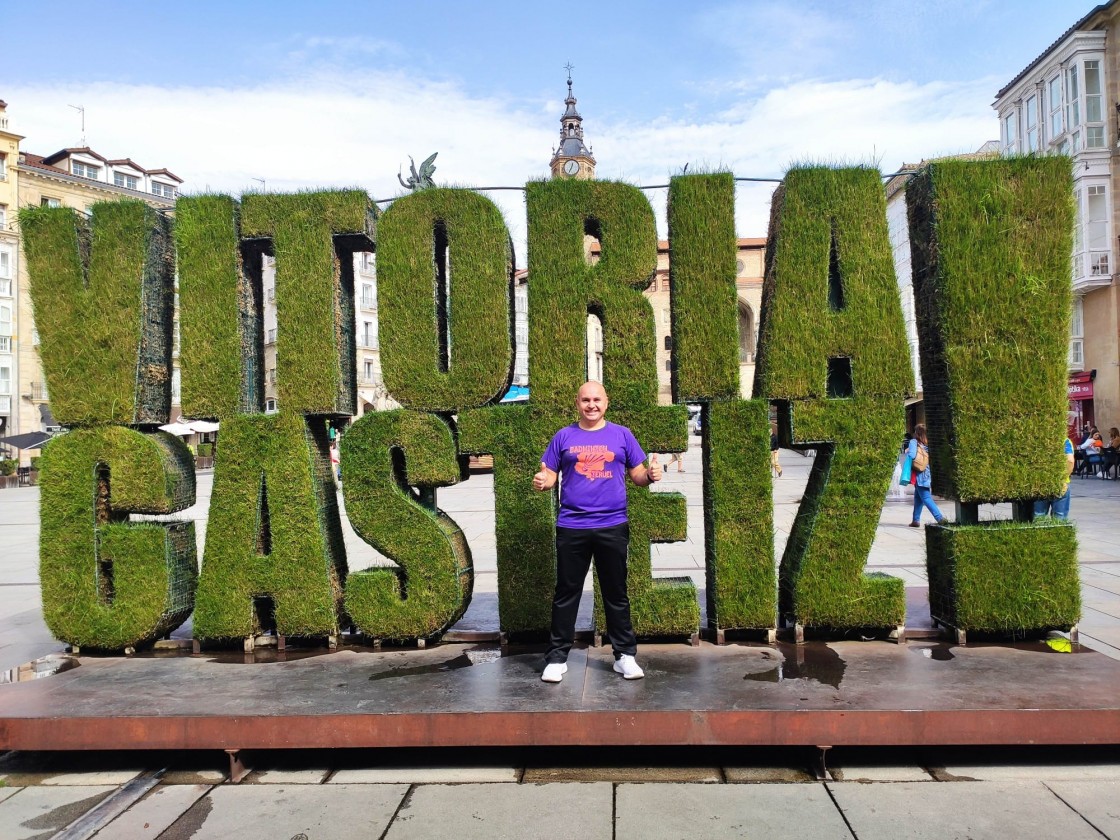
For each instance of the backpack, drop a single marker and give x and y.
(921, 460)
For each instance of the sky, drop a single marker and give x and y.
(284, 96)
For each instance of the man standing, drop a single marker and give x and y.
(1059, 507)
(591, 455)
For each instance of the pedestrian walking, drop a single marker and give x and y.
(591, 459)
(775, 465)
(918, 452)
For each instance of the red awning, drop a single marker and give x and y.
(1081, 385)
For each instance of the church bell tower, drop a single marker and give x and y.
(572, 159)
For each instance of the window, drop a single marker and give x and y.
(270, 407)
(85, 170)
(5, 344)
(1073, 105)
(176, 386)
(270, 294)
(369, 335)
(368, 300)
(47, 201)
(367, 372)
(1094, 112)
(1030, 119)
(272, 376)
(5, 379)
(5, 272)
(669, 365)
(1011, 133)
(1096, 229)
(1077, 335)
(665, 317)
(270, 338)
(5, 319)
(3, 216)
(1054, 94)
(3, 166)
(129, 182)
(166, 190)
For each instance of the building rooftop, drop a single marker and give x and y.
(1038, 60)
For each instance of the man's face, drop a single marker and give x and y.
(592, 403)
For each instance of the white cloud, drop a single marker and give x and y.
(329, 130)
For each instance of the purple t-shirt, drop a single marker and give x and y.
(592, 467)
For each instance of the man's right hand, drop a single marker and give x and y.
(545, 479)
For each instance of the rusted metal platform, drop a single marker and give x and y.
(817, 694)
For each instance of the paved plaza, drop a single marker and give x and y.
(642, 793)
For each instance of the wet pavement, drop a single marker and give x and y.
(553, 792)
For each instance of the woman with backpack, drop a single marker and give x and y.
(918, 450)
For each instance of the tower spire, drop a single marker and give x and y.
(572, 157)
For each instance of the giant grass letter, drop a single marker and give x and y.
(738, 512)
(444, 286)
(563, 290)
(990, 244)
(220, 317)
(274, 533)
(384, 454)
(314, 237)
(109, 584)
(834, 352)
(102, 293)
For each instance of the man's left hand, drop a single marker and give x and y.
(654, 470)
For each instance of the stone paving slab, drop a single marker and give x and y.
(301, 776)
(694, 775)
(153, 814)
(425, 775)
(278, 812)
(98, 777)
(505, 812)
(879, 773)
(1098, 802)
(960, 811)
(37, 812)
(1033, 771)
(759, 812)
(773, 774)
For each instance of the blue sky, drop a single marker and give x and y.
(340, 93)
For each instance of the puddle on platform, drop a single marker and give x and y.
(805, 662)
(36, 669)
(475, 656)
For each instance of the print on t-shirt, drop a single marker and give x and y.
(591, 460)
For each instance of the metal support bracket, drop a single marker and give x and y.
(237, 769)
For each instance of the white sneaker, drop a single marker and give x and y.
(554, 671)
(627, 665)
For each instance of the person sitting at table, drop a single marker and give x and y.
(1111, 452)
(1092, 448)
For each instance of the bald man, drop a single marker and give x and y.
(593, 457)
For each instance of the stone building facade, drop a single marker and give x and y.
(76, 178)
(1067, 101)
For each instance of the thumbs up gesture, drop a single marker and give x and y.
(542, 480)
(654, 470)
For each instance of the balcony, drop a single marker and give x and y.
(38, 392)
(367, 342)
(1091, 270)
(368, 302)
